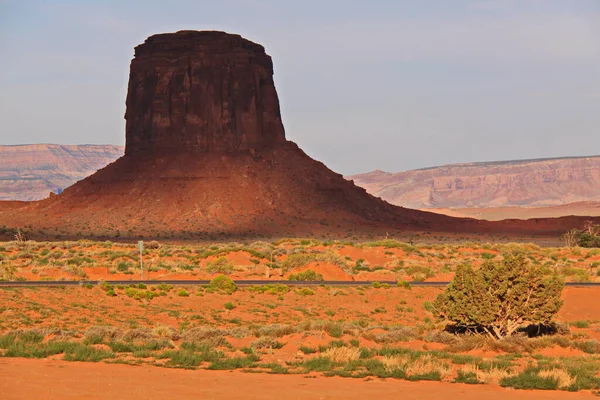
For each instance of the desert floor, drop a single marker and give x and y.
(145, 341)
(51, 379)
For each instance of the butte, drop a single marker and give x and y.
(206, 155)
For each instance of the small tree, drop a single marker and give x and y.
(500, 297)
(589, 236)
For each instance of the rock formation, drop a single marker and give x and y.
(31, 172)
(206, 157)
(201, 92)
(521, 183)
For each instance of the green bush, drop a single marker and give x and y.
(500, 297)
(308, 275)
(221, 265)
(223, 283)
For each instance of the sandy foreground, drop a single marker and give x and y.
(53, 379)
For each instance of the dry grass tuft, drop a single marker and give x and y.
(493, 375)
(425, 365)
(164, 331)
(205, 334)
(342, 354)
(560, 375)
(395, 363)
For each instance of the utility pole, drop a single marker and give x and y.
(141, 249)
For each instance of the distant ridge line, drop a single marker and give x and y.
(504, 162)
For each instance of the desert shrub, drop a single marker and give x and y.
(308, 275)
(427, 368)
(342, 354)
(203, 335)
(319, 364)
(221, 265)
(7, 272)
(266, 342)
(139, 294)
(299, 260)
(99, 334)
(589, 236)
(500, 297)
(305, 292)
(397, 334)
(274, 330)
(223, 283)
(418, 271)
(307, 350)
(153, 244)
(234, 363)
(183, 358)
(581, 324)
(275, 289)
(403, 284)
(530, 379)
(164, 331)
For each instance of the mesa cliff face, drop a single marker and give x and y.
(31, 172)
(526, 183)
(201, 92)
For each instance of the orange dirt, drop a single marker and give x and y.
(51, 379)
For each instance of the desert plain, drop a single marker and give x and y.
(315, 336)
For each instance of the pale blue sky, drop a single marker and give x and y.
(393, 85)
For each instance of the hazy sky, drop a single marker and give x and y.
(393, 85)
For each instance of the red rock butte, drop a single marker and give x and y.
(206, 156)
(201, 92)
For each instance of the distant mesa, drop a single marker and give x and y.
(32, 171)
(545, 182)
(206, 157)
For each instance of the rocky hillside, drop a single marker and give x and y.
(524, 183)
(31, 172)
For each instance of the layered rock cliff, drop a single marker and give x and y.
(525, 183)
(31, 172)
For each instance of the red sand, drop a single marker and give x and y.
(51, 379)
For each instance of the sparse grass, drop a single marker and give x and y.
(427, 368)
(529, 379)
(342, 354)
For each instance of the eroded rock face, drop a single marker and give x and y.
(201, 92)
